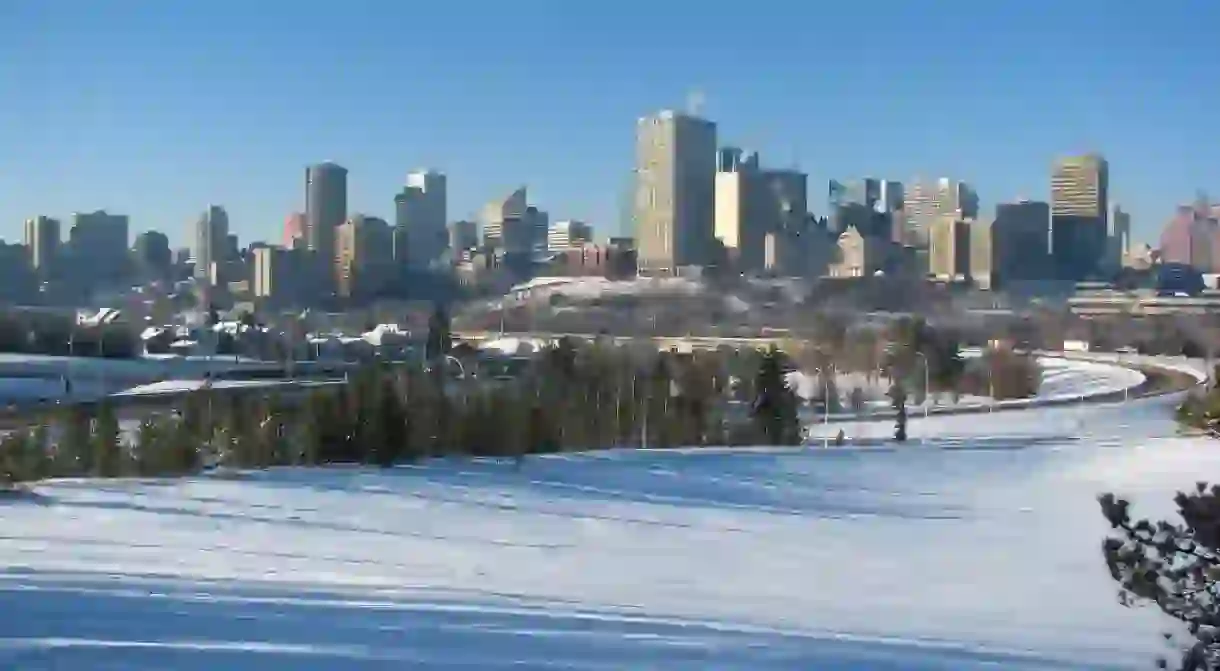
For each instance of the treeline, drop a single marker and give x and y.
(570, 398)
(917, 356)
(59, 335)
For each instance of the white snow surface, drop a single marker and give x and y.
(1062, 379)
(188, 385)
(975, 545)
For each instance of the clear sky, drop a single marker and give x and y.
(156, 108)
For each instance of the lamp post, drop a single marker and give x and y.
(927, 386)
(825, 404)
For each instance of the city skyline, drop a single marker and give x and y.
(104, 126)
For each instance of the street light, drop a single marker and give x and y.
(825, 404)
(927, 386)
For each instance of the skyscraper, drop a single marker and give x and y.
(1020, 241)
(152, 255)
(42, 239)
(294, 230)
(923, 203)
(211, 239)
(675, 185)
(325, 206)
(463, 235)
(364, 255)
(427, 236)
(98, 244)
(501, 212)
(1079, 214)
(741, 216)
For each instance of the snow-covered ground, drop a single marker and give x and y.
(180, 386)
(1062, 379)
(977, 547)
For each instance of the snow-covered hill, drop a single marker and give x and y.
(974, 546)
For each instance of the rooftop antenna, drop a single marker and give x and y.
(694, 102)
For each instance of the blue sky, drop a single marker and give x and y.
(157, 108)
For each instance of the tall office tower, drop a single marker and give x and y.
(463, 235)
(363, 256)
(568, 234)
(1080, 188)
(325, 211)
(1192, 237)
(42, 239)
(152, 255)
(211, 240)
(788, 192)
(870, 192)
(497, 212)
(537, 224)
(919, 210)
(98, 244)
(675, 191)
(891, 196)
(955, 197)
(1118, 241)
(949, 248)
(294, 230)
(983, 259)
(428, 214)
(924, 203)
(792, 242)
(1019, 242)
(1120, 229)
(742, 218)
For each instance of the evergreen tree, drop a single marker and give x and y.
(108, 456)
(440, 338)
(74, 453)
(898, 399)
(393, 429)
(775, 406)
(1173, 565)
(38, 461)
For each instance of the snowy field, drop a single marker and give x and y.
(974, 548)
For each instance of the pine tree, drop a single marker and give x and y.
(1174, 565)
(898, 399)
(74, 453)
(440, 339)
(775, 406)
(107, 446)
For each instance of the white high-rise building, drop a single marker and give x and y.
(211, 239)
(675, 191)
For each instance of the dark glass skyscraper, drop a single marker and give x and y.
(325, 206)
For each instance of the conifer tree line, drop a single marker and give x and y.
(569, 397)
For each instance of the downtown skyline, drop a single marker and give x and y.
(98, 134)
